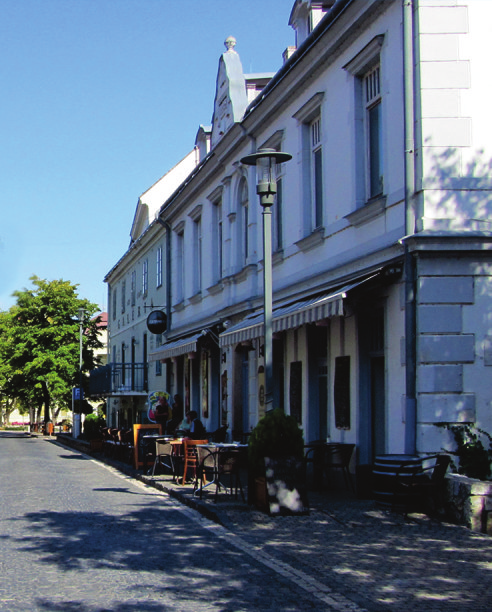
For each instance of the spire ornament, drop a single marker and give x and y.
(230, 43)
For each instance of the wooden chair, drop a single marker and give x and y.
(190, 458)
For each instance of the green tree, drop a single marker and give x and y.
(39, 345)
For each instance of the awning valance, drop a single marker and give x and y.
(291, 315)
(181, 346)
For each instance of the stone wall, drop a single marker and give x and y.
(469, 502)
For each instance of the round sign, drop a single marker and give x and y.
(157, 322)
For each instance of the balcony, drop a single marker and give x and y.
(119, 379)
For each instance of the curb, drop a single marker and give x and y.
(201, 507)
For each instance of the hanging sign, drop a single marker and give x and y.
(157, 322)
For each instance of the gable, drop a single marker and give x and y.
(230, 92)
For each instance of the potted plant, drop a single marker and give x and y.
(276, 440)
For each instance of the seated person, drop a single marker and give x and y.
(197, 430)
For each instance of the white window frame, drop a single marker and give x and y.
(309, 119)
(366, 67)
(243, 206)
(373, 132)
(145, 277)
(215, 198)
(180, 262)
(123, 296)
(158, 272)
(133, 290)
(316, 169)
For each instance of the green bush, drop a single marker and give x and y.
(475, 460)
(92, 426)
(276, 435)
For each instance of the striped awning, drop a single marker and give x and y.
(181, 346)
(291, 315)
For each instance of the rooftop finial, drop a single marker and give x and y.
(230, 43)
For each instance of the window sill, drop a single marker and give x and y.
(243, 274)
(216, 289)
(179, 306)
(196, 298)
(314, 239)
(372, 209)
(277, 257)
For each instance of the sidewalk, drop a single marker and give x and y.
(374, 559)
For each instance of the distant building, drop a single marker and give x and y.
(382, 238)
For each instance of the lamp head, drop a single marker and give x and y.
(266, 161)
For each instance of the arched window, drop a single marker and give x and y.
(244, 219)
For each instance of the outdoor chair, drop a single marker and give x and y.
(164, 456)
(206, 468)
(190, 460)
(326, 457)
(423, 488)
(125, 445)
(218, 463)
(219, 435)
(230, 462)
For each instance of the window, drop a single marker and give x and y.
(159, 267)
(133, 296)
(180, 268)
(316, 173)
(244, 225)
(197, 254)
(145, 277)
(114, 299)
(309, 118)
(369, 163)
(218, 239)
(123, 296)
(277, 212)
(373, 132)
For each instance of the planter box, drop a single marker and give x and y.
(260, 494)
(469, 502)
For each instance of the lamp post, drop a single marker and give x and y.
(81, 316)
(266, 161)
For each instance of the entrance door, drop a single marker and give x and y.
(318, 382)
(245, 391)
(372, 433)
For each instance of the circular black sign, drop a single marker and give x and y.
(157, 322)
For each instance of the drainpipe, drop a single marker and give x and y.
(410, 217)
(167, 227)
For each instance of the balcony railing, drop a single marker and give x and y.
(115, 378)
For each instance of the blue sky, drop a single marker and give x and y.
(99, 99)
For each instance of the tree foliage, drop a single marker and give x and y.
(40, 344)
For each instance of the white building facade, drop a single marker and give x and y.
(382, 261)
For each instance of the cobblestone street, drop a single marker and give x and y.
(78, 534)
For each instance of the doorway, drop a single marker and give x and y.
(372, 434)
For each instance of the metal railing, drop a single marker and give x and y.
(119, 378)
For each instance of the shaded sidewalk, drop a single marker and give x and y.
(375, 558)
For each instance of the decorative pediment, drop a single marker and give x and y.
(230, 92)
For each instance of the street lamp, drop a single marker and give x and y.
(266, 161)
(81, 316)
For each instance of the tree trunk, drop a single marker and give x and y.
(46, 399)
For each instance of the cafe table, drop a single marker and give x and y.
(214, 453)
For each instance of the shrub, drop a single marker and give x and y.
(92, 426)
(276, 435)
(475, 460)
